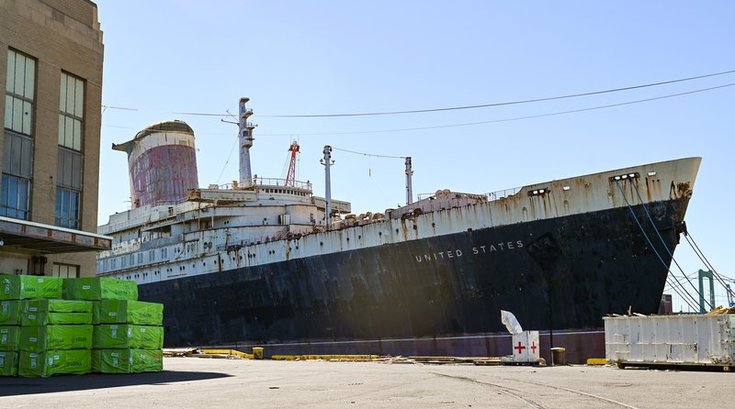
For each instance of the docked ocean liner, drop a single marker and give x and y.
(266, 262)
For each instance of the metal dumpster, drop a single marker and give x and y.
(691, 339)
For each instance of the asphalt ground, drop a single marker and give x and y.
(234, 383)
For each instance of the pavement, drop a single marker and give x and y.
(235, 383)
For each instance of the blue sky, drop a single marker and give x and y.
(297, 57)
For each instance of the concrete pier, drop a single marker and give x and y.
(235, 383)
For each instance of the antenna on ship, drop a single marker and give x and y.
(409, 187)
(246, 142)
(327, 162)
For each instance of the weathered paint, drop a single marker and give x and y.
(162, 164)
(441, 267)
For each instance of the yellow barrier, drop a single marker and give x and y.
(228, 352)
(325, 357)
(596, 361)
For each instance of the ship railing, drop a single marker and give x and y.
(500, 194)
(260, 181)
(127, 245)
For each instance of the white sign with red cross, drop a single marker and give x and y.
(526, 347)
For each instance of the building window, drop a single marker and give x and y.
(66, 271)
(69, 164)
(71, 112)
(18, 133)
(14, 199)
(20, 88)
(67, 208)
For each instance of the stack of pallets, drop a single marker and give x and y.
(128, 334)
(98, 326)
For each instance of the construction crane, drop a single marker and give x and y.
(291, 174)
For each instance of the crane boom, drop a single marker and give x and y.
(291, 174)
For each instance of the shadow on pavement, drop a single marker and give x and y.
(28, 386)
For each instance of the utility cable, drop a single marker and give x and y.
(497, 104)
(453, 108)
(369, 154)
(671, 285)
(704, 259)
(663, 242)
(423, 128)
(519, 118)
(645, 235)
(224, 167)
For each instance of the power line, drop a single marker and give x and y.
(454, 108)
(497, 104)
(227, 114)
(369, 154)
(518, 118)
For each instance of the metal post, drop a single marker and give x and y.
(409, 188)
(246, 142)
(327, 162)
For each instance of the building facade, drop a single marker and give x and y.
(51, 55)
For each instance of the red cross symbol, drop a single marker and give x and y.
(533, 347)
(519, 347)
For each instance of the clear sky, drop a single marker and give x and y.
(320, 57)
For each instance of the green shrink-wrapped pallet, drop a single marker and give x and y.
(54, 362)
(9, 310)
(56, 318)
(8, 363)
(127, 360)
(41, 304)
(48, 337)
(100, 288)
(147, 360)
(111, 361)
(16, 287)
(127, 312)
(111, 336)
(9, 337)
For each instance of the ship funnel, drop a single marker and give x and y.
(246, 142)
(161, 163)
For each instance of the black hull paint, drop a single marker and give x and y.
(561, 273)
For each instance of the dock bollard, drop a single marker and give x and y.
(258, 352)
(558, 356)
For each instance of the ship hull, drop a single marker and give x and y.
(439, 295)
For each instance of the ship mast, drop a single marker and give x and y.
(409, 187)
(327, 162)
(291, 174)
(246, 142)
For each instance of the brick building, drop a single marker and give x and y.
(51, 55)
